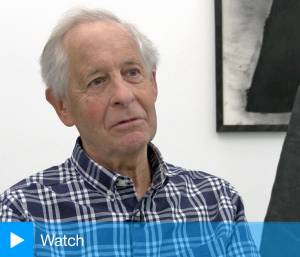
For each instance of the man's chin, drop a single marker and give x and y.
(133, 142)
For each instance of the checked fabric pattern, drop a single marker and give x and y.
(80, 191)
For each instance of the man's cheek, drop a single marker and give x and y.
(93, 112)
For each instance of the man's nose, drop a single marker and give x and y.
(121, 92)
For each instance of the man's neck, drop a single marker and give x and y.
(140, 175)
(135, 166)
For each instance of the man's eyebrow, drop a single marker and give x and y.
(133, 62)
(86, 74)
(92, 72)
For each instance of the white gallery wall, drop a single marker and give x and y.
(32, 138)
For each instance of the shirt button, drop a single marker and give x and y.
(138, 214)
(122, 183)
(110, 195)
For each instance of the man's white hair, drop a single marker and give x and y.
(54, 60)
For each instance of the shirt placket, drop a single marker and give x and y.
(137, 241)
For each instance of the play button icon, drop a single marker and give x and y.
(15, 240)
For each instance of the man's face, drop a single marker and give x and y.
(110, 97)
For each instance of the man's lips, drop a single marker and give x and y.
(127, 123)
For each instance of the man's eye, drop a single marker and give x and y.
(97, 82)
(134, 75)
(133, 72)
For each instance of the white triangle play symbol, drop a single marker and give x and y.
(15, 240)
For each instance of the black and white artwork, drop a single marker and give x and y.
(258, 63)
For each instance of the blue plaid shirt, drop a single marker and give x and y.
(81, 190)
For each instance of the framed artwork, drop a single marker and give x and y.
(257, 63)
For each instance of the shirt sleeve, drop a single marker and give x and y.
(10, 209)
(241, 242)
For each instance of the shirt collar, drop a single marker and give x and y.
(104, 179)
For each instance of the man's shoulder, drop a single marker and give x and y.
(216, 195)
(198, 179)
(39, 181)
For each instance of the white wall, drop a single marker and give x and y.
(32, 137)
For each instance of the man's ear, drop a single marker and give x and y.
(60, 106)
(154, 83)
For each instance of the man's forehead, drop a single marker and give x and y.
(92, 46)
(89, 32)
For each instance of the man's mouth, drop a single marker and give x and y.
(128, 123)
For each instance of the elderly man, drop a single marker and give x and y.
(100, 74)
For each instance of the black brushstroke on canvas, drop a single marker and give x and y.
(284, 205)
(277, 74)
